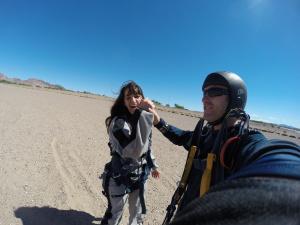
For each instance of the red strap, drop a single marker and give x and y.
(224, 148)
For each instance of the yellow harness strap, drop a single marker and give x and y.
(206, 177)
(188, 166)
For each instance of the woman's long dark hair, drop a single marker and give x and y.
(119, 108)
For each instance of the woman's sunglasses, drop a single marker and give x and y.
(215, 91)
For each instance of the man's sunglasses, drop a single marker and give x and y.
(215, 91)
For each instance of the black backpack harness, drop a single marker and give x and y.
(128, 172)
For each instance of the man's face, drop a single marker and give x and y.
(132, 101)
(215, 100)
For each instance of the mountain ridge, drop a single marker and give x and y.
(30, 82)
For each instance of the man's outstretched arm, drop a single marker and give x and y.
(174, 134)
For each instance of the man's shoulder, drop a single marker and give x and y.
(255, 132)
(253, 137)
(261, 141)
(256, 145)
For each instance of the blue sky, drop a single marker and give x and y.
(168, 47)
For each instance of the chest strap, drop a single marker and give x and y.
(206, 176)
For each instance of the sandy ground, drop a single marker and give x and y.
(53, 148)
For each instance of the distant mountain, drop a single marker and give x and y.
(289, 127)
(29, 82)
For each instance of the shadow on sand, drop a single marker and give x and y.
(52, 216)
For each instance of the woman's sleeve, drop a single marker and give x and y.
(121, 131)
(151, 162)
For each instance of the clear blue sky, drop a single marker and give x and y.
(168, 47)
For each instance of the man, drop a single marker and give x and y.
(237, 176)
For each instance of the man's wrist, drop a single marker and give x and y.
(162, 126)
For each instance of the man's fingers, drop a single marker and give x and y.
(148, 103)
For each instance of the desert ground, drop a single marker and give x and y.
(53, 148)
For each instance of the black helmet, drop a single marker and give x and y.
(236, 87)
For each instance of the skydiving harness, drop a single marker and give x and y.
(243, 127)
(127, 172)
(185, 175)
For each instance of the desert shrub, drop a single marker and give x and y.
(156, 102)
(57, 86)
(6, 82)
(178, 106)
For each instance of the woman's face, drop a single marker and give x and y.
(132, 101)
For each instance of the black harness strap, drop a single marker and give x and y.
(142, 198)
(130, 187)
(105, 192)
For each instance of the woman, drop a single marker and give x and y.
(129, 128)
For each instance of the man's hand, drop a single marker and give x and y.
(149, 106)
(146, 104)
